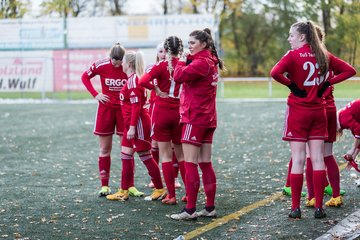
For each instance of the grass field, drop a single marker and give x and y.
(49, 179)
(254, 89)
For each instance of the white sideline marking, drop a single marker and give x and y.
(348, 228)
(92, 101)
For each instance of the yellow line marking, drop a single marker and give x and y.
(236, 215)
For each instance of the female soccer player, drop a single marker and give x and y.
(198, 73)
(307, 66)
(166, 117)
(332, 168)
(160, 56)
(136, 129)
(349, 118)
(109, 115)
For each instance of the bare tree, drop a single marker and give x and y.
(117, 7)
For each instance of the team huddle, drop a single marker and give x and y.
(177, 123)
(180, 124)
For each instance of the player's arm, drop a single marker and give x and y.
(280, 68)
(86, 79)
(342, 70)
(147, 81)
(135, 101)
(197, 69)
(278, 72)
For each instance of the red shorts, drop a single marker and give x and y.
(303, 125)
(196, 135)
(107, 119)
(166, 124)
(142, 140)
(331, 125)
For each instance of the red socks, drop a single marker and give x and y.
(209, 181)
(175, 165)
(127, 173)
(309, 179)
(192, 184)
(296, 186)
(168, 172)
(182, 170)
(319, 185)
(104, 170)
(153, 170)
(333, 174)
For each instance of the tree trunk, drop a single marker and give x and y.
(236, 39)
(117, 11)
(326, 15)
(165, 7)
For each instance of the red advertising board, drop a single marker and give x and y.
(69, 65)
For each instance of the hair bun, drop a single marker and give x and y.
(207, 30)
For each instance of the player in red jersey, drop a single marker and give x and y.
(307, 66)
(109, 115)
(332, 168)
(198, 73)
(349, 118)
(160, 56)
(166, 128)
(137, 130)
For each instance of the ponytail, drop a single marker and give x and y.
(173, 46)
(205, 36)
(315, 41)
(139, 63)
(136, 62)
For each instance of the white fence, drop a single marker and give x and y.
(256, 79)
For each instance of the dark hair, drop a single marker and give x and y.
(204, 36)
(312, 37)
(173, 47)
(117, 51)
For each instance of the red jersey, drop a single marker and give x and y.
(133, 99)
(112, 80)
(302, 69)
(198, 95)
(349, 117)
(159, 75)
(152, 92)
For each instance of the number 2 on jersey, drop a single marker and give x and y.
(310, 79)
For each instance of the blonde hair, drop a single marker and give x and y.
(135, 61)
(158, 48)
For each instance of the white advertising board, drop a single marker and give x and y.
(30, 34)
(133, 31)
(26, 71)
